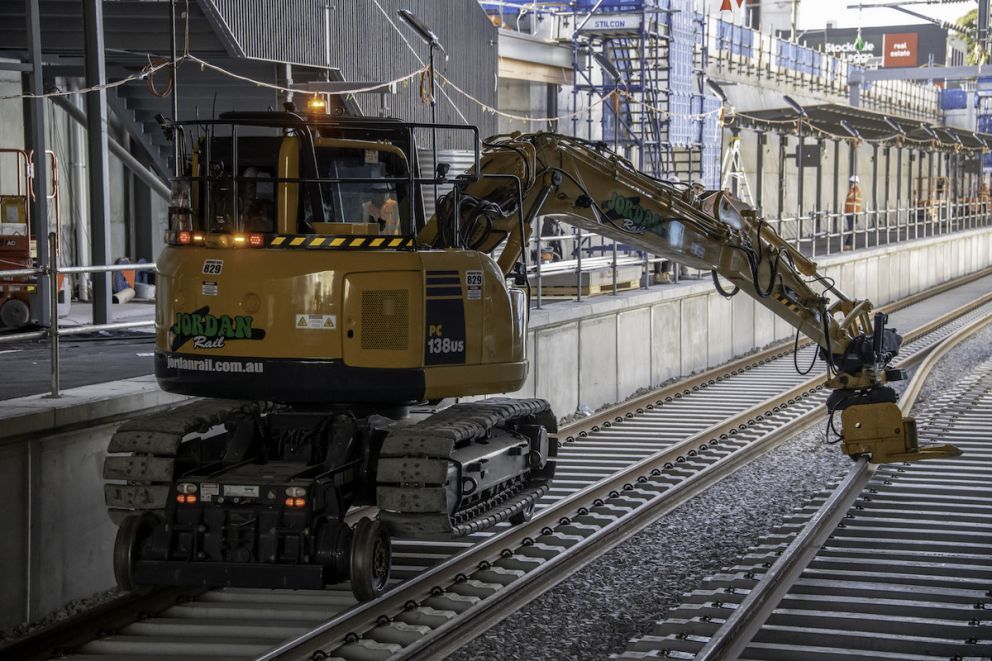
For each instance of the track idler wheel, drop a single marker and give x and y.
(524, 515)
(371, 559)
(130, 535)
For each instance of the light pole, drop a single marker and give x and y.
(432, 42)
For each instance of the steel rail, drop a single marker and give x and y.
(482, 615)
(422, 587)
(619, 411)
(739, 629)
(599, 424)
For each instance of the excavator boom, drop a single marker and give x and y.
(522, 176)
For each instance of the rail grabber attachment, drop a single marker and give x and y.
(880, 431)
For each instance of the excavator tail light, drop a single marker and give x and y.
(256, 241)
(184, 237)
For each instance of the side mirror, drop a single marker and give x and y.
(442, 171)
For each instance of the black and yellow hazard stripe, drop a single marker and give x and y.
(329, 242)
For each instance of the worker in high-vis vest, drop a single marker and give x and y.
(853, 204)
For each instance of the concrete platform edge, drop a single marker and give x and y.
(97, 403)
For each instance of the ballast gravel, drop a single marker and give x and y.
(71, 608)
(622, 594)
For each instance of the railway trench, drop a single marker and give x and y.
(445, 585)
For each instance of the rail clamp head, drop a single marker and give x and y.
(880, 432)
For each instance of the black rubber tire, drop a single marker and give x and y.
(371, 560)
(14, 313)
(129, 536)
(524, 515)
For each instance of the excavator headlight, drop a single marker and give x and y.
(186, 487)
(316, 104)
(296, 492)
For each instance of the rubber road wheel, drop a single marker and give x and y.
(129, 537)
(371, 558)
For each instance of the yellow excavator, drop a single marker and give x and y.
(327, 326)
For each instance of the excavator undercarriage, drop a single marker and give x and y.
(244, 494)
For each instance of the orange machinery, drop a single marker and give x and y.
(18, 248)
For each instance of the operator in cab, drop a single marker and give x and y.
(382, 209)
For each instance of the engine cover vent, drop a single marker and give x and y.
(385, 319)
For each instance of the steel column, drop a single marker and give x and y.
(836, 205)
(852, 159)
(36, 139)
(898, 188)
(782, 139)
(96, 143)
(819, 183)
(874, 183)
(759, 172)
(177, 166)
(888, 171)
(799, 170)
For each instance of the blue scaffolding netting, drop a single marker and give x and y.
(663, 118)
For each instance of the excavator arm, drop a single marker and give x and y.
(522, 176)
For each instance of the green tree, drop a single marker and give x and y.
(970, 22)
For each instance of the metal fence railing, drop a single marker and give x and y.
(733, 49)
(828, 232)
(51, 273)
(572, 256)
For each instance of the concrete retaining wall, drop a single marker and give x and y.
(57, 539)
(602, 350)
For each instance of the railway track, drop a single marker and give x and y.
(618, 471)
(895, 562)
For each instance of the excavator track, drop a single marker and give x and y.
(414, 493)
(142, 452)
